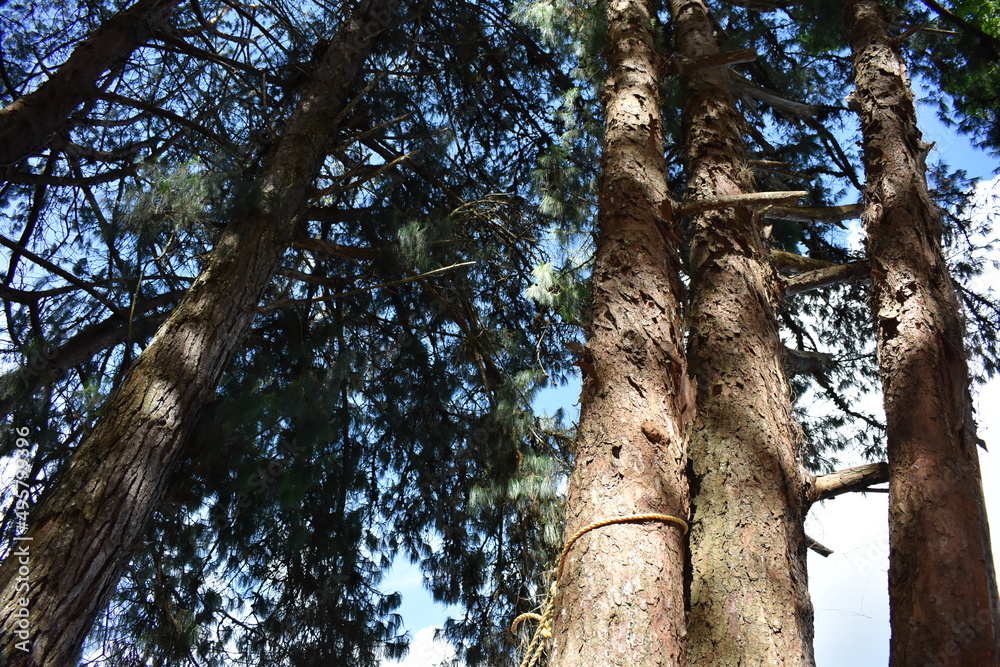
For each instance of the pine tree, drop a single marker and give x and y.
(749, 485)
(378, 403)
(630, 448)
(944, 606)
(425, 262)
(89, 522)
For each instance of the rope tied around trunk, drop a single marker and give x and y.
(544, 630)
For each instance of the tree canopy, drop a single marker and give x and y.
(434, 279)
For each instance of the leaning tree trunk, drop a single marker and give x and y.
(28, 123)
(749, 600)
(86, 528)
(621, 596)
(942, 584)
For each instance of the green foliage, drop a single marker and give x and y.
(378, 410)
(959, 52)
(173, 197)
(559, 290)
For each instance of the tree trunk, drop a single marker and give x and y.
(27, 124)
(621, 596)
(942, 583)
(86, 528)
(749, 599)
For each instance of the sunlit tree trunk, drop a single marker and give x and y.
(86, 528)
(749, 600)
(621, 599)
(28, 123)
(942, 584)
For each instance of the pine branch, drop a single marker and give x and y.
(82, 347)
(823, 381)
(758, 136)
(414, 167)
(776, 101)
(752, 200)
(373, 174)
(849, 480)
(762, 6)
(364, 134)
(793, 263)
(992, 42)
(484, 361)
(825, 277)
(336, 214)
(22, 178)
(32, 296)
(312, 279)
(678, 64)
(782, 168)
(154, 110)
(61, 272)
(836, 151)
(815, 213)
(34, 214)
(285, 303)
(126, 152)
(817, 547)
(28, 123)
(335, 249)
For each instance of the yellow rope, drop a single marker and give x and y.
(544, 630)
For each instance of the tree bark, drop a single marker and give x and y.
(621, 596)
(749, 600)
(27, 124)
(942, 583)
(86, 528)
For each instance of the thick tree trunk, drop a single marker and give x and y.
(749, 600)
(85, 530)
(27, 124)
(942, 583)
(621, 599)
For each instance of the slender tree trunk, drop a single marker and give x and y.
(85, 530)
(27, 124)
(749, 599)
(942, 583)
(621, 596)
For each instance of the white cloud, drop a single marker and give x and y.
(425, 651)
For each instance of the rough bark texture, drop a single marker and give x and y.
(621, 599)
(85, 530)
(749, 600)
(942, 583)
(27, 124)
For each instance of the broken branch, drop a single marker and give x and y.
(753, 200)
(825, 277)
(858, 478)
